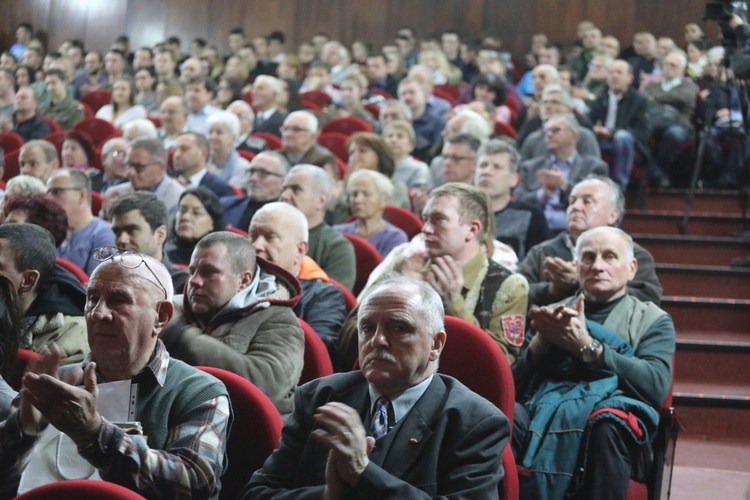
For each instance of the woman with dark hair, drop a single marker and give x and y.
(145, 86)
(24, 76)
(77, 150)
(227, 91)
(199, 212)
(40, 209)
(368, 151)
(122, 109)
(10, 326)
(288, 99)
(491, 88)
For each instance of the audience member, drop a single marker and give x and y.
(190, 162)
(39, 159)
(198, 213)
(123, 107)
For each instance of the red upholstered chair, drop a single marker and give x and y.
(349, 299)
(87, 110)
(368, 259)
(342, 167)
(76, 489)
(23, 358)
(96, 99)
(317, 360)
(373, 109)
(255, 432)
(10, 141)
(317, 97)
(312, 106)
(467, 347)
(347, 125)
(404, 220)
(505, 129)
(99, 130)
(57, 139)
(445, 95)
(383, 93)
(335, 142)
(239, 231)
(52, 123)
(248, 155)
(272, 141)
(449, 89)
(96, 203)
(77, 271)
(11, 165)
(155, 120)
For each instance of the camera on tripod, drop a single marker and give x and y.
(723, 11)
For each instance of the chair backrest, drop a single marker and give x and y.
(77, 271)
(367, 258)
(349, 298)
(449, 89)
(347, 125)
(316, 96)
(403, 219)
(248, 155)
(12, 167)
(383, 93)
(468, 347)
(96, 99)
(317, 360)
(335, 142)
(10, 141)
(57, 139)
(272, 141)
(445, 95)
(255, 432)
(96, 203)
(237, 230)
(505, 129)
(99, 130)
(54, 127)
(155, 120)
(77, 489)
(373, 109)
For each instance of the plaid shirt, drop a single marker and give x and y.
(189, 467)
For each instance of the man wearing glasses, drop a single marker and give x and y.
(267, 172)
(546, 180)
(127, 307)
(299, 137)
(146, 167)
(113, 163)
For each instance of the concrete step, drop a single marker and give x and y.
(708, 314)
(697, 250)
(704, 281)
(724, 201)
(713, 410)
(667, 222)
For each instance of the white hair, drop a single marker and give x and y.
(141, 128)
(246, 108)
(25, 184)
(272, 82)
(227, 119)
(311, 119)
(474, 124)
(321, 180)
(382, 183)
(289, 212)
(602, 230)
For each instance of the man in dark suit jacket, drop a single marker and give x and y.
(546, 180)
(268, 118)
(620, 122)
(190, 162)
(428, 434)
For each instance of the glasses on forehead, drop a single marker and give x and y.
(106, 253)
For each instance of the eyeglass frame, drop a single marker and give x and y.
(124, 253)
(262, 173)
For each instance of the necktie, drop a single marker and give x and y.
(379, 423)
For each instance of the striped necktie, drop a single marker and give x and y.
(379, 423)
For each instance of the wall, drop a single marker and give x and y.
(98, 22)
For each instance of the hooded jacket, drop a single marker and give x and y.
(56, 315)
(255, 335)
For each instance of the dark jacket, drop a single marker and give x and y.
(216, 184)
(632, 111)
(322, 306)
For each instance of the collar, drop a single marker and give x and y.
(614, 96)
(195, 180)
(667, 85)
(472, 268)
(402, 403)
(568, 161)
(157, 366)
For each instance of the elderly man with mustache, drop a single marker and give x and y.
(395, 429)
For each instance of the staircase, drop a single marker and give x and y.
(709, 302)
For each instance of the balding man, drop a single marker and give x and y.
(246, 115)
(299, 140)
(549, 266)
(268, 118)
(173, 120)
(546, 180)
(620, 121)
(190, 69)
(680, 94)
(603, 360)
(127, 304)
(38, 158)
(279, 234)
(26, 123)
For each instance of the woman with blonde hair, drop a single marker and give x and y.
(122, 108)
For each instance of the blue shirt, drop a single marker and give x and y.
(80, 245)
(197, 119)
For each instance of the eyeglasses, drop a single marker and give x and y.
(457, 158)
(294, 130)
(106, 253)
(263, 173)
(116, 154)
(554, 130)
(57, 191)
(140, 167)
(553, 102)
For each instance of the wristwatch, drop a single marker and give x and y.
(591, 351)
